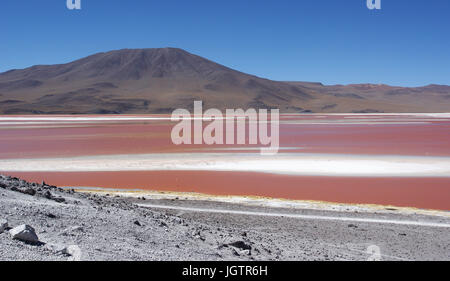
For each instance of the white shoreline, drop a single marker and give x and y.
(301, 164)
(258, 201)
(155, 117)
(299, 216)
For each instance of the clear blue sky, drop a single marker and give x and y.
(331, 41)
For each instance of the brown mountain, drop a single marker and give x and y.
(160, 80)
(382, 98)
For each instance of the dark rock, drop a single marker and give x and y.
(59, 199)
(24, 233)
(240, 245)
(29, 191)
(48, 195)
(50, 215)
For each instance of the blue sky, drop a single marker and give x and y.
(332, 41)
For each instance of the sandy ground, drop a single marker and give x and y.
(146, 226)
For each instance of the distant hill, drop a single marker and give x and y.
(161, 80)
(383, 98)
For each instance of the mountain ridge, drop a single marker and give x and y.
(159, 80)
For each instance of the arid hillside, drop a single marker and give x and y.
(161, 80)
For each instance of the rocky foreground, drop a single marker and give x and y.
(43, 222)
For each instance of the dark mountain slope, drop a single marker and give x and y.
(160, 80)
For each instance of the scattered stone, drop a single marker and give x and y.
(29, 191)
(74, 252)
(352, 225)
(245, 253)
(24, 233)
(50, 215)
(72, 230)
(233, 250)
(3, 225)
(56, 248)
(59, 199)
(240, 245)
(48, 195)
(77, 228)
(198, 235)
(137, 223)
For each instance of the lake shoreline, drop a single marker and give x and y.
(116, 227)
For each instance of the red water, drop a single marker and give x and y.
(427, 193)
(75, 139)
(393, 135)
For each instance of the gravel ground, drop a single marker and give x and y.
(109, 227)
